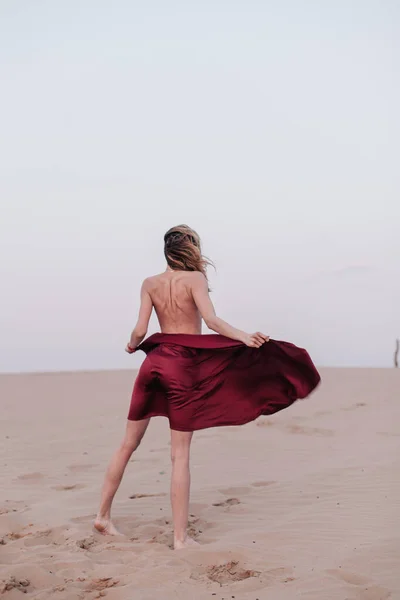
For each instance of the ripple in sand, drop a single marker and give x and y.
(31, 477)
(80, 468)
(235, 491)
(365, 589)
(13, 506)
(262, 483)
(299, 429)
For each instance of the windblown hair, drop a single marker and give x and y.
(182, 249)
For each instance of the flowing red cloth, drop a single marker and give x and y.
(201, 381)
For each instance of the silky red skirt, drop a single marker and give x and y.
(201, 381)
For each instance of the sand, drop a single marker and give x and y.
(303, 504)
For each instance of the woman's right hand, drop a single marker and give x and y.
(255, 340)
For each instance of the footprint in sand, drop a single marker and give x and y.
(224, 573)
(86, 543)
(67, 488)
(13, 536)
(196, 527)
(138, 496)
(14, 583)
(228, 502)
(33, 538)
(165, 536)
(99, 585)
(365, 590)
(56, 536)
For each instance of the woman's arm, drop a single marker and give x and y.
(146, 307)
(206, 308)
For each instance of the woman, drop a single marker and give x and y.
(195, 380)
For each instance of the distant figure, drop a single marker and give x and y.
(396, 354)
(197, 381)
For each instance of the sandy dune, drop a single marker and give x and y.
(304, 504)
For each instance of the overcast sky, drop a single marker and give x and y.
(270, 127)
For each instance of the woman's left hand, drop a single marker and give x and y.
(129, 349)
(255, 340)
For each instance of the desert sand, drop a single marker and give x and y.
(303, 504)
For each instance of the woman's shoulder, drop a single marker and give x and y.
(197, 276)
(188, 276)
(153, 278)
(150, 282)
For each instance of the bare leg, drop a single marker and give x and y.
(180, 487)
(135, 431)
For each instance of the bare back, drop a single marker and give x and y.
(172, 297)
(181, 300)
(180, 295)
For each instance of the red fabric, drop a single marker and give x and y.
(201, 381)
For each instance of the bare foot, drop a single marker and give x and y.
(105, 527)
(188, 543)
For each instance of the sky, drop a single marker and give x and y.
(271, 127)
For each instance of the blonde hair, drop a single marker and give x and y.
(182, 250)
